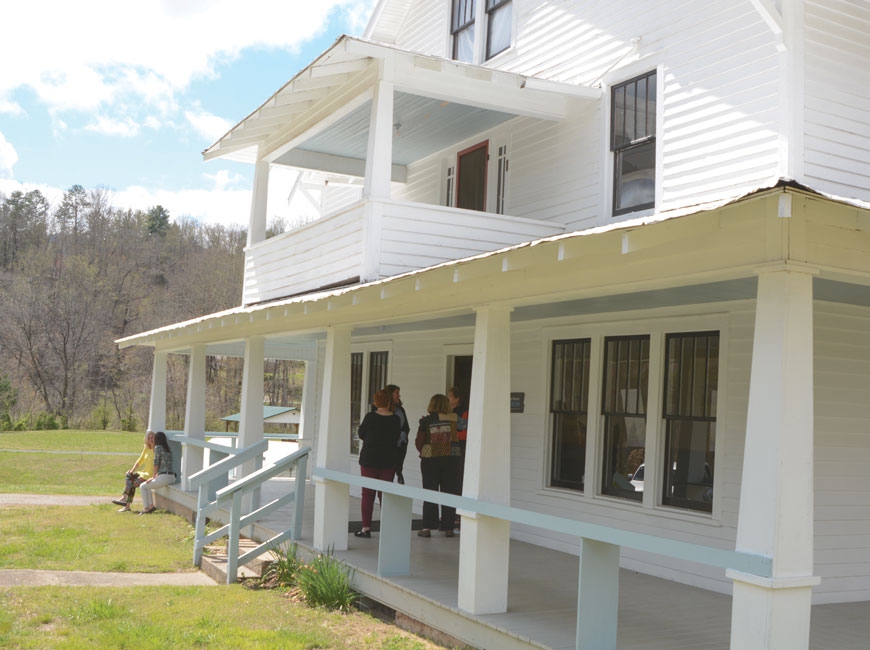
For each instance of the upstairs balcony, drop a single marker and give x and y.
(382, 115)
(375, 239)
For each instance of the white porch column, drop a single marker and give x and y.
(379, 156)
(251, 416)
(194, 415)
(259, 195)
(776, 494)
(307, 418)
(157, 406)
(485, 542)
(331, 499)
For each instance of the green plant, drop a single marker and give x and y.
(282, 571)
(46, 422)
(129, 422)
(325, 582)
(101, 415)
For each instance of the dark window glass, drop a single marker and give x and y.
(626, 375)
(691, 385)
(498, 30)
(377, 372)
(356, 373)
(569, 405)
(633, 137)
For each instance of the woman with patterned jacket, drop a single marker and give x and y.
(439, 462)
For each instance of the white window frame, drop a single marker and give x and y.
(481, 32)
(615, 77)
(366, 349)
(656, 327)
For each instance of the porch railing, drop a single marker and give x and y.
(233, 497)
(596, 614)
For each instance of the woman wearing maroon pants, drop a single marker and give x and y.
(380, 431)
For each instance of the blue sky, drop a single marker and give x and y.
(127, 94)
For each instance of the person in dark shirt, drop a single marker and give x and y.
(379, 432)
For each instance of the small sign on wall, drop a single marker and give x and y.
(518, 402)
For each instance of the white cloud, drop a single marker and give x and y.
(224, 179)
(81, 59)
(228, 207)
(125, 128)
(8, 157)
(10, 108)
(209, 126)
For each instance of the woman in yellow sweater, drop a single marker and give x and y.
(138, 474)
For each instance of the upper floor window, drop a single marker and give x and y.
(463, 17)
(462, 29)
(498, 26)
(633, 142)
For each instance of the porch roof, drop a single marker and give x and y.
(644, 263)
(323, 110)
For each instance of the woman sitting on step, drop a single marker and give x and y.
(163, 473)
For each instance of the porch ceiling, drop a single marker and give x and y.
(324, 110)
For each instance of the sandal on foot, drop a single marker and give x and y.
(148, 511)
(448, 533)
(125, 509)
(425, 532)
(119, 502)
(363, 533)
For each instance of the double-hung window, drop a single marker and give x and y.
(691, 386)
(462, 30)
(374, 376)
(498, 27)
(499, 21)
(633, 143)
(624, 395)
(569, 406)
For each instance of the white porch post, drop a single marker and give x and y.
(251, 416)
(194, 416)
(331, 499)
(259, 195)
(379, 156)
(776, 494)
(157, 406)
(307, 419)
(485, 542)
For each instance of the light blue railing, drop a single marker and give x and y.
(232, 497)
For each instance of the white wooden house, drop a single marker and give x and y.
(651, 218)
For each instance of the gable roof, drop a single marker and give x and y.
(333, 92)
(386, 20)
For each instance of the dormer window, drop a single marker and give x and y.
(495, 14)
(633, 142)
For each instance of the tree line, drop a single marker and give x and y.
(77, 276)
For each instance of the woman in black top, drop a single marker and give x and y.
(380, 431)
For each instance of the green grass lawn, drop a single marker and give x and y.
(93, 538)
(91, 462)
(97, 538)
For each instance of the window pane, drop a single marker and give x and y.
(463, 45)
(635, 178)
(377, 372)
(689, 464)
(691, 383)
(356, 368)
(471, 179)
(499, 30)
(626, 375)
(569, 450)
(568, 402)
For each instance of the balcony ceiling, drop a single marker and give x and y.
(321, 116)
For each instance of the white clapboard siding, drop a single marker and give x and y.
(414, 236)
(842, 453)
(320, 253)
(837, 111)
(426, 28)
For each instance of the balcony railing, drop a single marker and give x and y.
(376, 239)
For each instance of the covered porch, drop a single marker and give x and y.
(653, 614)
(746, 253)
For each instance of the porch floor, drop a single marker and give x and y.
(654, 614)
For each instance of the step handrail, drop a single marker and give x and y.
(233, 495)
